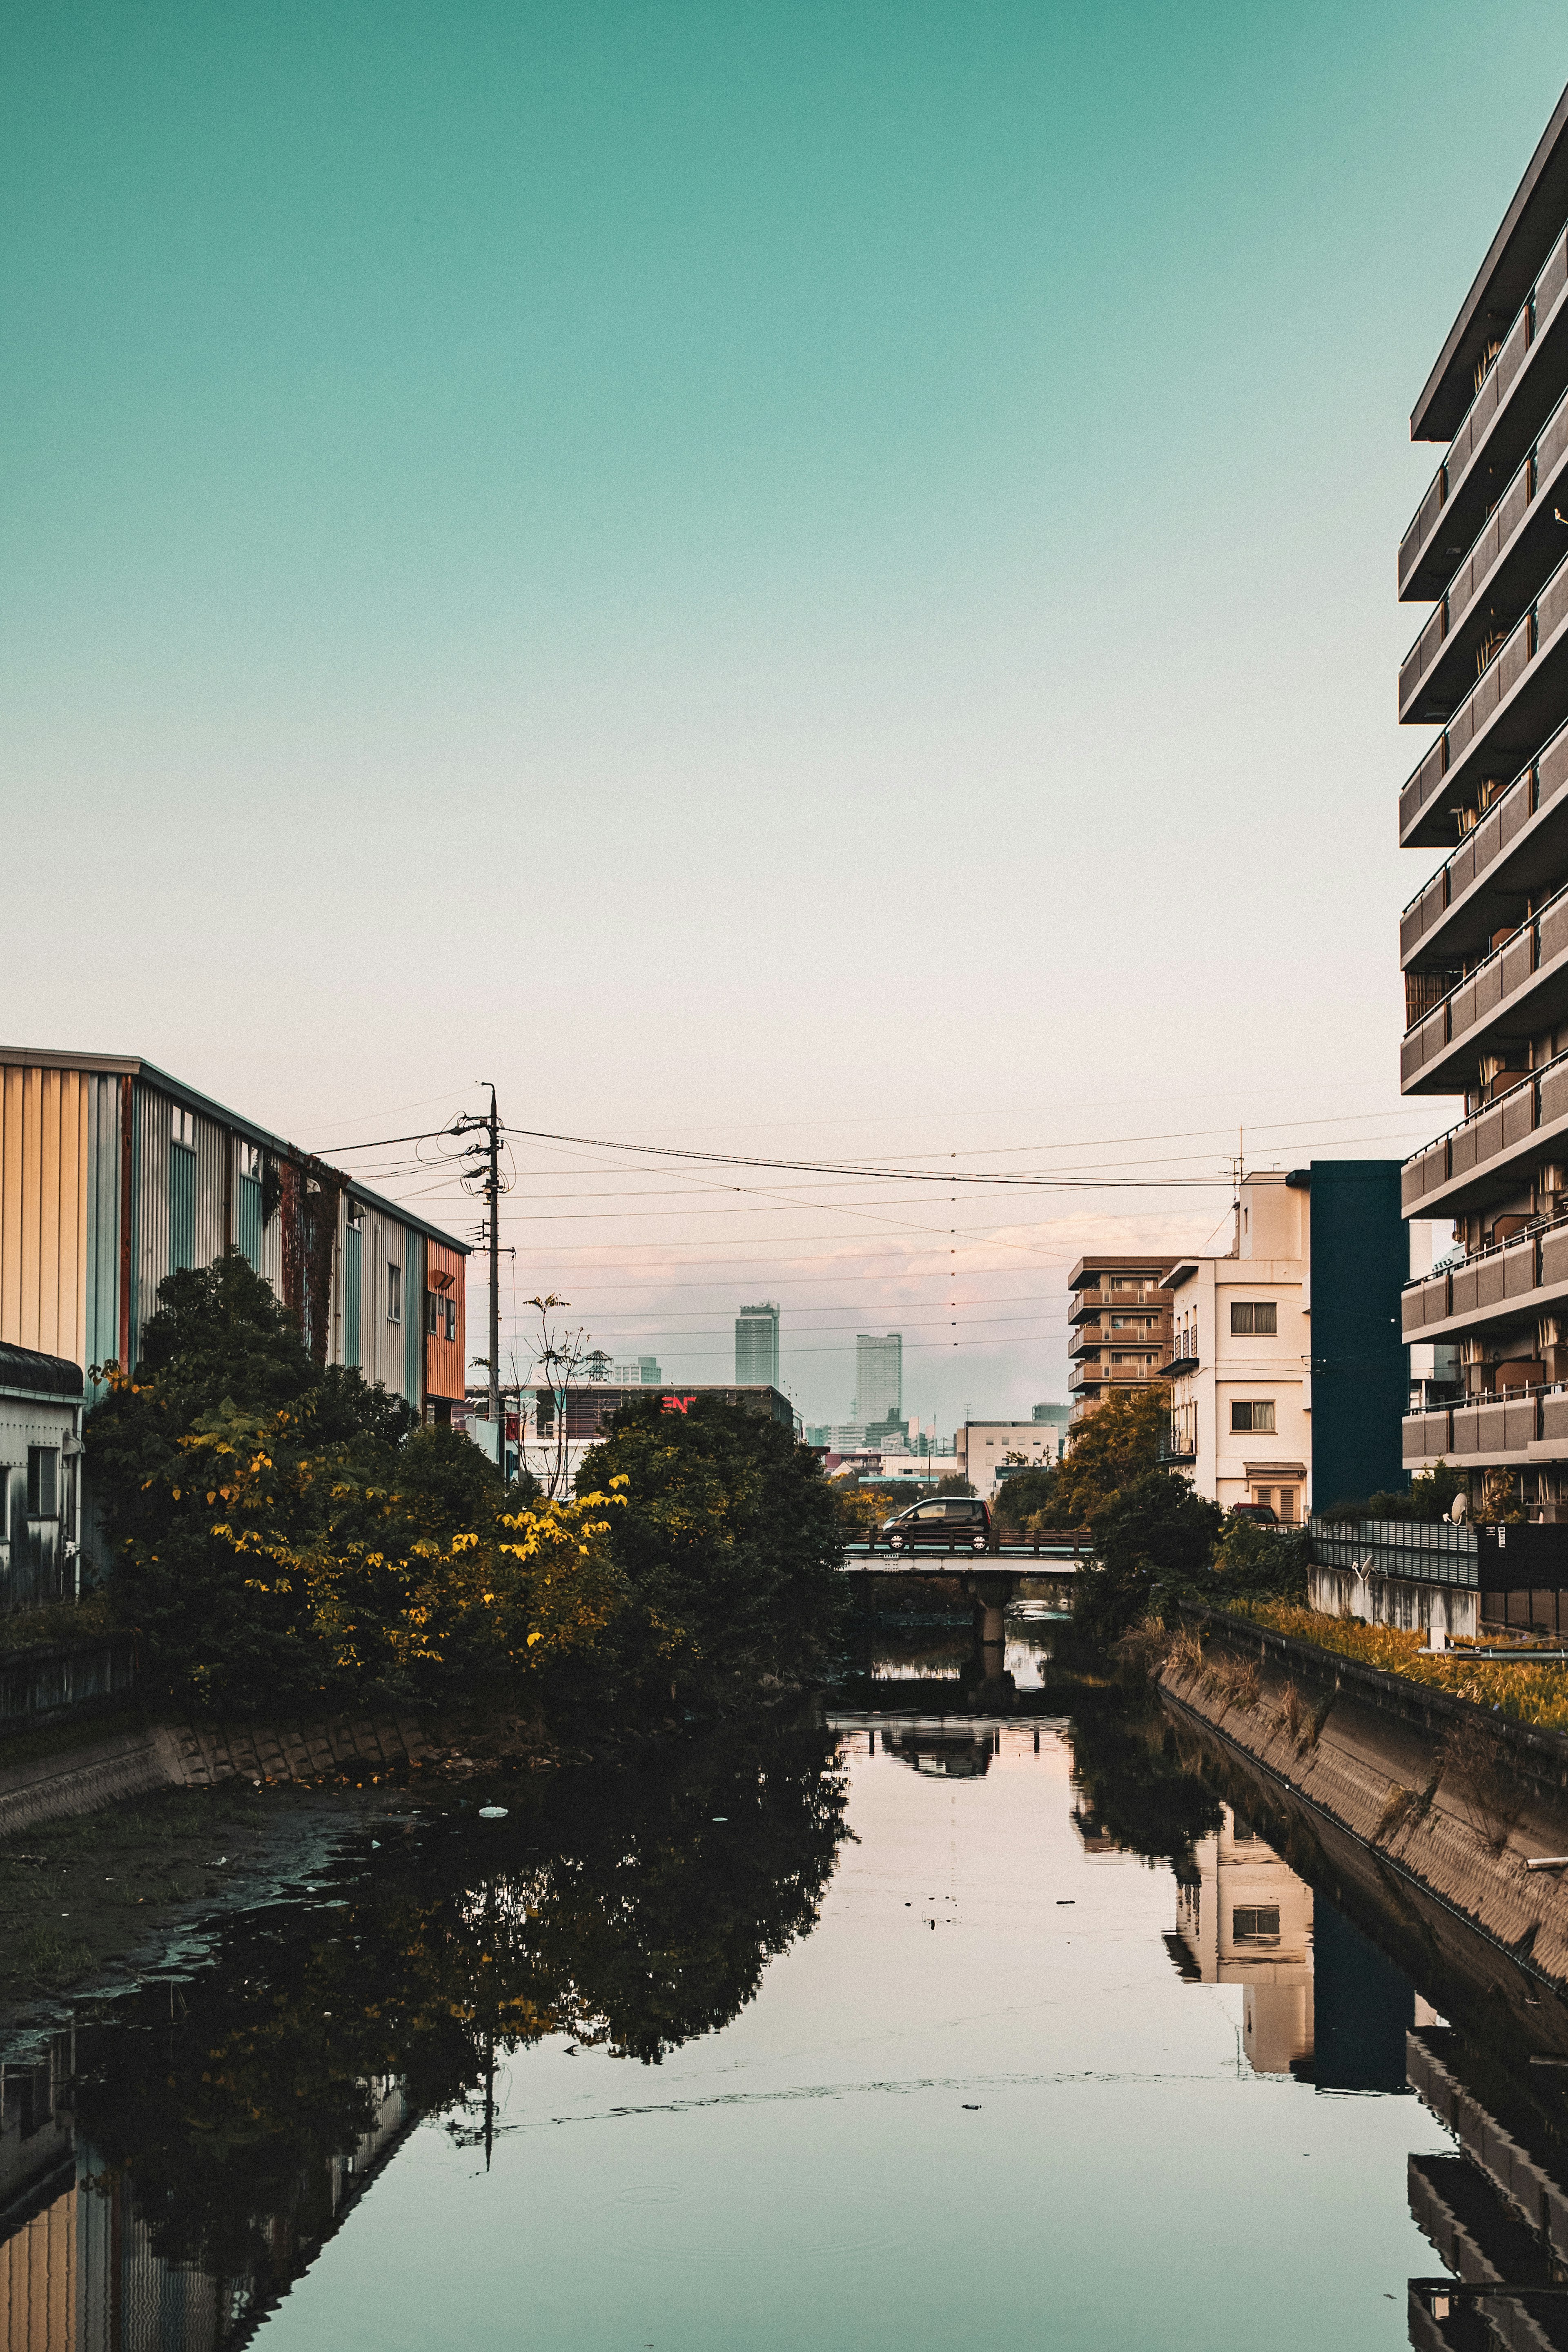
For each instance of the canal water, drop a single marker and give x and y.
(970, 2013)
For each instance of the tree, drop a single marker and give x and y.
(1117, 1442)
(953, 1484)
(1026, 1495)
(1153, 1536)
(277, 1535)
(730, 1545)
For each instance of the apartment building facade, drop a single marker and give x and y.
(757, 1346)
(987, 1451)
(1119, 1312)
(1484, 941)
(1287, 1372)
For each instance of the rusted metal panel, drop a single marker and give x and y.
(446, 1335)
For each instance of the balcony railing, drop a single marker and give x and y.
(1487, 1427)
(1507, 664)
(1082, 1376)
(1533, 789)
(1491, 395)
(1474, 1002)
(1536, 473)
(1538, 1101)
(1508, 1274)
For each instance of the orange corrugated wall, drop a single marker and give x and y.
(43, 1210)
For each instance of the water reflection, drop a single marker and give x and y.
(168, 2166)
(967, 2012)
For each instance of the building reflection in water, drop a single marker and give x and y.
(1246, 1918)
(78, 2268)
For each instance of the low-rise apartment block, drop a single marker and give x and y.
(1288, 1373)
(1119, 1312)
(988, 1450)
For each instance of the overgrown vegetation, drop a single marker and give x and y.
(1430, 1496)
(1528, 1694)
(281, 1537)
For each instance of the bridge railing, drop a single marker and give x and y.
(1072, 1545)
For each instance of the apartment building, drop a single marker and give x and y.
(1120, 1314)
(1484, 941)
(757, 1346)
(1288, 1373)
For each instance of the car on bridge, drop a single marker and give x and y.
(947, 1523)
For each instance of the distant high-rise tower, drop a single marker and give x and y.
(879, 1377)
(757, 1346)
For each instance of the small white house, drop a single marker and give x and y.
(40, 1459)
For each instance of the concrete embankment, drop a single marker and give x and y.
(93, 1773)
(1426, 1800)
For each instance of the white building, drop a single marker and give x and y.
(983, 1447)
(1241, 1398)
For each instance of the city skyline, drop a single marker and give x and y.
(548, 484)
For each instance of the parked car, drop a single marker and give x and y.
(1264, 1514)
(948, 1522)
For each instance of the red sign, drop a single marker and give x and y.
(678, 1405)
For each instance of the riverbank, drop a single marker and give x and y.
(1451, 1802)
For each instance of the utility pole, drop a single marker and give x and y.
(489, 1150)
(492, 1195)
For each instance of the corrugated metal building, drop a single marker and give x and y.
(114, 1175)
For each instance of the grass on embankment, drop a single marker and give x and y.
(1529, 1693)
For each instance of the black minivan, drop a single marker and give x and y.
(952, 1522)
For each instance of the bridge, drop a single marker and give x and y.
(988, 1576)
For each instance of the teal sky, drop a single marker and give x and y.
(812, 580)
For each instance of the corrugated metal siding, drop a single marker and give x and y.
(43, 1210)
(353, 1254)
(182, 1208)
(150, 1147)
(414, 1318)
(248, 1218)
(103, 1269)
(212, 1148)
(38, 2281)
(384, 1353)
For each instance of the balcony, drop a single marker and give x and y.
(1510, 407)
(1178, 1367)
(1523, 985)
(1177, 1447)
(1096, 1300)
(1106, 1376)
(1520, 1426)
(1516, 702)
(1515, 549)
(1520, 1275)
(1520, 845)
(1477, 1160)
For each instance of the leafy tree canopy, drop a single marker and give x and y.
(1152, 1535)
(1112, 1446)
(729, 1545)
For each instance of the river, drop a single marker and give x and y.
(959, 2016)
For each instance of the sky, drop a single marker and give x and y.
(813, 583)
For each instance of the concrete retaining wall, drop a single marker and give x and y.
(176, 1756)
(1387, 1765)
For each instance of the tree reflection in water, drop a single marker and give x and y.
(616, 1908)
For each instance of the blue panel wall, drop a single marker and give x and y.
(182, 1208)
(247, 1219)
(1361, 1372)
(414, 1320)
(102, 1336)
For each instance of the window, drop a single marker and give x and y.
(1259, 1416)
(42, 1482)
(183, 1129)
(1258, 1924)
(440, 1316)
(393, 1293)
(249, 1159)
(1258, 1315)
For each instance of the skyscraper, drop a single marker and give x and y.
(879, 1377)
(757, 1346)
